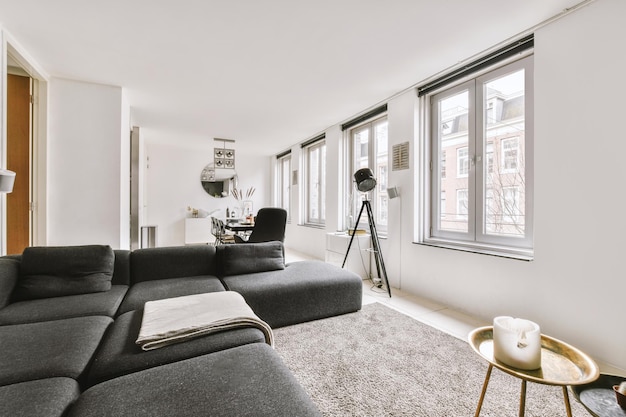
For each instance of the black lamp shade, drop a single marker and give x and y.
(365, 180)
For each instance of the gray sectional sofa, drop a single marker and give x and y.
(70, 316)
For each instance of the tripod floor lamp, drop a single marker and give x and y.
(365, 182)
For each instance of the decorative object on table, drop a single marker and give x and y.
(243, 200)
(561, 365)
(365, 182)
(200, 213)
(600, 398)
(194, 211)
(7, 179)
(224, 157)
(517, 342)
(247, 209)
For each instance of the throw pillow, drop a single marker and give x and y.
(64, 270)
(248, 258)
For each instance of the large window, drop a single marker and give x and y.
(315, 182)
(481, 137)
(369, 150)
(283, 178)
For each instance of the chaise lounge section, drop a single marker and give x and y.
(70, 316)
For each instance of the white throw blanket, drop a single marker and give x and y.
(175, 320)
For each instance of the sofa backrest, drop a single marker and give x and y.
(9, 273)
(171, 262)
(121, 269)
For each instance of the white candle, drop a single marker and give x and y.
(517, 342)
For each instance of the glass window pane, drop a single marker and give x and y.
(453, 154)
(380, 136)
(285, 171)
(361, 147)
(313, 184)
(504, 179)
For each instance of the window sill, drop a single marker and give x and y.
(482, 249)
(313, 225)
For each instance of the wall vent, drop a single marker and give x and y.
(400, 158)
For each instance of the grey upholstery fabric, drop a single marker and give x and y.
(167, 288)
(40, 398)
(121, 269)
(119, 355)
(303, 291)
(49, 271)
(9, 273)
(172, 262)
(60, 348)
(250, 258)
(55, 308)
(249, 380)
(269, 225)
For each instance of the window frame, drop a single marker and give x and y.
(378, 196)
(477, 238)
(283, 176)
(320, 170)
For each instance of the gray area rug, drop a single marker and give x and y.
(379, 362)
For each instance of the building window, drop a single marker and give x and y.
(489, 158)
(462, 158)
(462, 210)
(315, 183)
(492, 144)
(369, 150)
(283, 178)
(443, 164)
(509, 154)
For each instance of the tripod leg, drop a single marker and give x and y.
(353, 233)
(380, 263)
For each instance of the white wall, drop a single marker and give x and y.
(173, 183)
(575, 286)
(84, 164)
(124, 186)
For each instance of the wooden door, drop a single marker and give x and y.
(18, 160)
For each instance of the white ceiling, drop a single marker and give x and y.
(268, 73)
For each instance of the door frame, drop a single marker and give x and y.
(10, 47)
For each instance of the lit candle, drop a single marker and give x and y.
(517, 342)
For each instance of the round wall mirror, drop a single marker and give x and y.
(218, 182)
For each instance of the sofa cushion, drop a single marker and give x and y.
(9, 273)
(45, 309)
(303, 291)
(249, 258)
(120, 355)
(249, 380)
(151, 264)
(64, 270)
(41, 398)
(60, 348)
(160, 289)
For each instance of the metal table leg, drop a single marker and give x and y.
(482, 394)
(568, 406)
(522, 399)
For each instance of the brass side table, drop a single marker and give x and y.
(561, 365)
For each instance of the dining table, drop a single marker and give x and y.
(241, 228)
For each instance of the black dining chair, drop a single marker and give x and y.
(269, 225)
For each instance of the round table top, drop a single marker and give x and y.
(561, 364)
